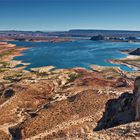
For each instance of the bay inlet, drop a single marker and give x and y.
(81, 53)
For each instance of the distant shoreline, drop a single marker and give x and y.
(131, 61)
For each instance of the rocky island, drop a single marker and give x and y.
(50, 103)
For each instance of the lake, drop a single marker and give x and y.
(81, 53)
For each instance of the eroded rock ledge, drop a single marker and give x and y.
(122, 110)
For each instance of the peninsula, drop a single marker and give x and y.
(132, 60)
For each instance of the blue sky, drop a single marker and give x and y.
(69, 14)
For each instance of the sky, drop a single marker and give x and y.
(56, 15)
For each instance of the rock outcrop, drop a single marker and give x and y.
(122, 110)
(121, 82)
(8, 93)
(136, 99)
(97, 38)
(118, 111)
(135, 52)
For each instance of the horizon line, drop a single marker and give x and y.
(20, 30)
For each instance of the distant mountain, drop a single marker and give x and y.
(112, 33)
(74, 33)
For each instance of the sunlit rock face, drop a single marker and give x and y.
(136, 100)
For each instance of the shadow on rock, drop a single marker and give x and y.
(8, 93)
(15, 133)
(118, 111)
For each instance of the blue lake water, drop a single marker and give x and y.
(81, 53)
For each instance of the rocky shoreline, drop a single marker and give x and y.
(132, 60)
(40, 39)
(48, 103)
